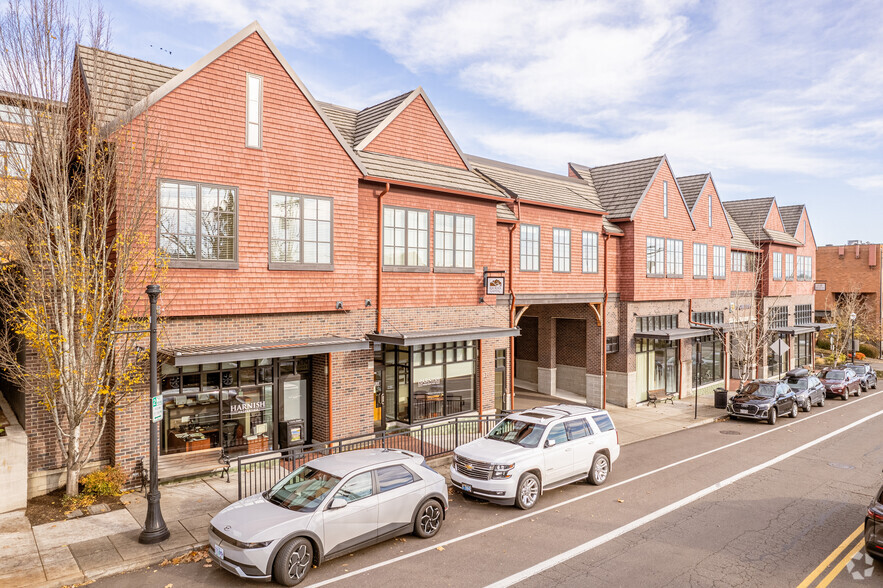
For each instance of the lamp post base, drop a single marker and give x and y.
(155, 529)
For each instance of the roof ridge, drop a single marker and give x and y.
(642, 160)
(326, 103)
(382, 102)
(360, 152)
(129, 57)
(523, 169)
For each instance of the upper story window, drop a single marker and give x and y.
(804, 268)
(777, 265)
(300, 230)
(405, 237)
(665, 199)
(197, 222)
(655, 256)
(741, 261)
(700, 260)
(674, 258)
(560, 250)
(590, 252)
(778, 317)
(710, 200)
(454, 241)
(658, 322)
(803, 314)
(254, 108)
(807, 268)
(530, 248)
(12, 113)
(713, 317)
(789, 266)
(720, 262)
(16, 159)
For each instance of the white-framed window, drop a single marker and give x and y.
(720, 262)
(789, 266)
(454, 240)
(655, 256)
(253, 110)
(590, 252)
(808, 268)
(300, 230)
(405, 237)
(674, 258)
(710, 200)
(799, 270)
(16, 159)
(700, 260)
(15, 114)
(665, 199)
(777, 265)
(197, 222)
(560, 250)
(529, 248)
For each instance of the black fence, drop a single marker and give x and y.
(260, 471)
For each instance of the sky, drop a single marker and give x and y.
(779, 99)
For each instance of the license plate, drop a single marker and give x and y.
(467, 487)
(743, 411)
(219, 552)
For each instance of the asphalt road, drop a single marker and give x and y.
(726, 504)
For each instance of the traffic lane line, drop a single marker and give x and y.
(831, 557)
(835, 571)
(391, 555)
(677, 505)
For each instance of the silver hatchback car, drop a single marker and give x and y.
(328, 507)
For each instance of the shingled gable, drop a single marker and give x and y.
(622, 187)
(393, 108)
(693, 186)
(754, 215)
(791, 217)
(182, 76)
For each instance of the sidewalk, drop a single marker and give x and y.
(88, 548)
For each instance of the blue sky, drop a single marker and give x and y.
(773, 98)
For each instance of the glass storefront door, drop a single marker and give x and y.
(500, 396)
(246, 419)
(656, 367)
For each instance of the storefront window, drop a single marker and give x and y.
(774, 362)
(657, 367)
(711, 367)
(804, 349)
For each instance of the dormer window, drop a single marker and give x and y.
(665, 199)
(254, 106)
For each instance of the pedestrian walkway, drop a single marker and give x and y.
(87, 548)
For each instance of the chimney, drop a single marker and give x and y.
(841, 251)
(872, 255)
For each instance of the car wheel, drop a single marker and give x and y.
(293, 562)
(528, 491)
(807, 406)
(845, 396)
(822, 401)
(429, 519)
(600, 469)
(858, 391)
(771, 419)
(793, 413)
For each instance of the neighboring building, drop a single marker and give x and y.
(855, 266)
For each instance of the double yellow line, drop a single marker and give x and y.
(834, 555)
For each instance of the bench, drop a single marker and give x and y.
(187, 464)
(654, 398)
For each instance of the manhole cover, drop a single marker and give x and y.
(841, 466)
(730, 432)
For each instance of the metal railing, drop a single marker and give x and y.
(258, 472)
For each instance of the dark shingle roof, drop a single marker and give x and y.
(751, 215)
(343, 118)
(740, 240)
(621, 185)
(791, 217)
(538, 186)
(116, 82)
(428, 174)
(691, 187)
(368, 118)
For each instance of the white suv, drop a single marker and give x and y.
(536, 450)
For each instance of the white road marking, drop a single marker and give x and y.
(598, 541)
(557, 505)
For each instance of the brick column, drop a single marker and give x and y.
(546, 355)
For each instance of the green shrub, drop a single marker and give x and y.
(823, 343)
(869, 350)
(107, 481)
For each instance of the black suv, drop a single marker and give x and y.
(807, 388)
(866, 375)
(763, 400)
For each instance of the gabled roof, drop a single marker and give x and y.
(423, 173)
(343, 118)
(369, 119)
(505, 213)
(751, 215)
(740, 240)
(691, 187)
(532, 185)
(791, 217)
(149, 74)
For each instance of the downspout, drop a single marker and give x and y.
(512, 301)
(330, 404)
(380, 255)
(604, 331)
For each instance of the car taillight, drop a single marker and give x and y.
(875, 515)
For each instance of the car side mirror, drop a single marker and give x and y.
(550, 443)
(338, 503)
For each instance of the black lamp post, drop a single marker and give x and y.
(155, 529)
(852, 343)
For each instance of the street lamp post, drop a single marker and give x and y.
(155, 529)
(852, 343)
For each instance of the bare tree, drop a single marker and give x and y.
(73, 229)
(845, 305)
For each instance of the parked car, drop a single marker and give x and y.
(328, 507)
(874, 527)
(840, 382)
(866, 374)
(536, 450)
(763, 400)
(807, 388)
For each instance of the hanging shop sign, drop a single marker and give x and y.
(495, 285)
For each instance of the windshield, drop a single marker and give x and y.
(797, 383)
(859, 369)
(303, 489)
(761, 389)
(833, 375)
(517, 432)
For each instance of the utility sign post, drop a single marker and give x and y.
(156, 409)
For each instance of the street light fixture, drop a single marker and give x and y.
(852, 320)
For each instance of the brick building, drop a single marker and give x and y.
(351, 269)
(851, 267)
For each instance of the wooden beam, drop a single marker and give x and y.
(520, 313)
(597, 308)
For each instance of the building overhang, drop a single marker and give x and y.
(821, 326)
(722, 327)
(674, 334)
(225, 353)
(795, 330)
(428, 337)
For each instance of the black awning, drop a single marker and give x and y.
(795, 330)
(409, 338)
(722, 327)
(821, 326)
(220, 353)
(674, 334)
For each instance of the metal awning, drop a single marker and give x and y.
(219, 353)
(821, 326)
(443, 335)
(723, 327)
(795, 330)
(674, 334)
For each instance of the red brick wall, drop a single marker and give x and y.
(416, 134)
(570, 342)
